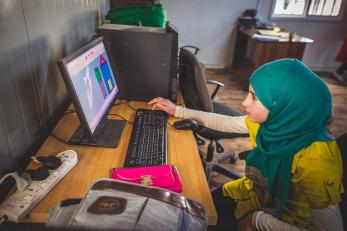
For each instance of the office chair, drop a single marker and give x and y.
(193, 86)
(342, 143)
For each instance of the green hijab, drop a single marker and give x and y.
(300, 108)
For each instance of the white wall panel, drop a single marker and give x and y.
(34, 35)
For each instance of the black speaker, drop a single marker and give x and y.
(144, 60)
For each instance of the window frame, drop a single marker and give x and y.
(306, 17)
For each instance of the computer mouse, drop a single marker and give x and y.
(186, 124)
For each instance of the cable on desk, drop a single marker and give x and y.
(120, 102)
(72, 111)
(128, 104)
(69, 112)
(63, 141)
(52, 134)
(121, 117)
(56, 137)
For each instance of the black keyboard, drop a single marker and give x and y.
(147, 145)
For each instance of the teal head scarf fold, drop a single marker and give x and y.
(300, 108)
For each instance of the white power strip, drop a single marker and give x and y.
(19, 204)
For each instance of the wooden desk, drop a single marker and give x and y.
(260, 52)
(95, 162)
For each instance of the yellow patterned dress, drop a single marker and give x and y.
(316, 182)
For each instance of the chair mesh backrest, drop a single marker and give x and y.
(192, 82)
(342, 143)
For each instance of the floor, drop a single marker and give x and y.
(235, 89)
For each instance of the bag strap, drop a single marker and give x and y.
(180, 201)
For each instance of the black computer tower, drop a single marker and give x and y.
(144, 60)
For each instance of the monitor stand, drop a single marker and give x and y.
(107, 134)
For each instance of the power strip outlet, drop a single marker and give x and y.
(19, 204)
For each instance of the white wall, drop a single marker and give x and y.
(33, 97)
(211, 25)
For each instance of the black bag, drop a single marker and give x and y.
(116, 205)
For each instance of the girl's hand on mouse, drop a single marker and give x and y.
(164, 105)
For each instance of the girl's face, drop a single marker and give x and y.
(254, 108)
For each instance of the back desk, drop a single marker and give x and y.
(95, 162)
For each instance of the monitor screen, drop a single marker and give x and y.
(94, 83)
(94, 86)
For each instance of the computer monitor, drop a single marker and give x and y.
(92, 86)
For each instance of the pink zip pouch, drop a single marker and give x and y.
(162, 176)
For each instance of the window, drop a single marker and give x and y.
(307, 8)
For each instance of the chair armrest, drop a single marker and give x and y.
(215, 82)
(196, 49)
(212, 134)
(218, 85)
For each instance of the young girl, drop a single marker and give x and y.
(294, 173)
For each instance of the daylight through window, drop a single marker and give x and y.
(307, 7)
